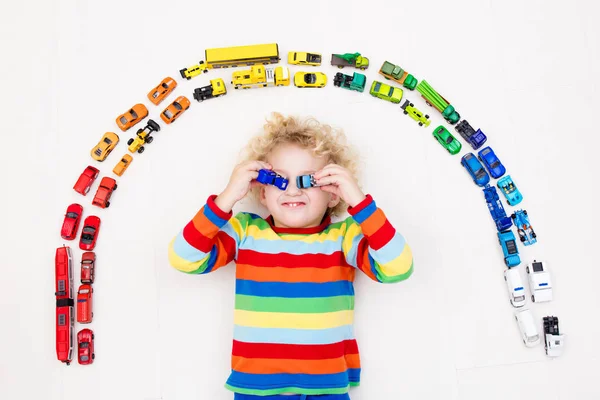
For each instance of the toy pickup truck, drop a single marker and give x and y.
(395, 73)
(355, 82)
(475, 139)
(350, 60)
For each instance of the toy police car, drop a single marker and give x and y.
(539, 281)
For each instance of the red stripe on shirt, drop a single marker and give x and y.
(294, 351)
(291, 260)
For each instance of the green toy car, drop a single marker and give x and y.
(396, 73)
(386, 92)
(446, 139)
(417, 115)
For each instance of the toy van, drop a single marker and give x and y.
(516, 290)
(528, 327)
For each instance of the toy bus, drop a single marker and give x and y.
(226, 57)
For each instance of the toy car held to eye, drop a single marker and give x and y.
(142, 137)
(445, 138)
(475, 169)
(526, 232)
(268, 177)
(164, 88)
(310, 79)
(175, 109)
(128, 119)
(306, 181)
(417, 115)
(491, 162)
(510, 190)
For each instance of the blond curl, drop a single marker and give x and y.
(308, 133)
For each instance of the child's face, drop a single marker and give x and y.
(293, 207)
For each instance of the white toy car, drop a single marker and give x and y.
(516, 290)
(528, 327)
(554, 341)
(539, 281)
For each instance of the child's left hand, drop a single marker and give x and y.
(340, 182)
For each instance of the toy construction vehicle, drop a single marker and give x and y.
(143, 137)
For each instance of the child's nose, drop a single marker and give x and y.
(292, 187)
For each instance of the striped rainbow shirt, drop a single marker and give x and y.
(294, 294)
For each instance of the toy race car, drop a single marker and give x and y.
(175, 109)
(527, 327)
(386, 92)
(89, 233)
(215, 89)
(516, 290)
(475, 169)
(475, 139)
(526, 232)
(511, 193)
(268, 177)
(554, 341)
(310, 79)
(540, 283)
(86, 179)
(88, 266)
(395, 73)
(128, 119)
(189, 73)
(84, 304)
(409, 108)
(164, 88)
(491, 162)
(445, 138)
(71, 222)
(350, 60)
(142, 137)
(104, 192)
(85, 347)
(355, 82)
(105, 146)
(509, 248)
(303, 58)
(122, 165)
(494, 204)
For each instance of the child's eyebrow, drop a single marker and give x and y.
(305, 172)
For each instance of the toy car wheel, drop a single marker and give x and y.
(129, 142)
(141, 150)
(115, 187)
(92, 336)
(513, 216)
(93, 355)
(149, 140)
(107, 204)
(527, 269)
(420, 124)
(426, 116)
(411, 104)
(505, 277)
(153, 125)
(534, 235)
(525, 212)
(68, 362)
(533, 298)
(87, 189)
(405, 112)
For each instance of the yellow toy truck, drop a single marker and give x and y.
(261, 76)
(142, 137)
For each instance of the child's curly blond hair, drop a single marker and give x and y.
(308, 133)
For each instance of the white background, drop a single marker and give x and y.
(523, 72)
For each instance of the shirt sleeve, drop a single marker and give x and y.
(373, 245)
(209, 241)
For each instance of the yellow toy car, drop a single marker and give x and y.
(189, 73)
(303, 58)
(310, 79)
(122, 165)
(105, 146)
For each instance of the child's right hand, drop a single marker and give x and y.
(242, 179)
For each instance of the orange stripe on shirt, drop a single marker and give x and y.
(373, 223)
(293, 275)
(276, 366)
(201, 223)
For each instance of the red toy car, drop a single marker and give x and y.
(84, 304)
(64, 331)
(71, 221)
(88, 264)
(87, 177)
(85, 344)
(89, 233)
(63, 270)
(105, 190)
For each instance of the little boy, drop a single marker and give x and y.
(293, 334)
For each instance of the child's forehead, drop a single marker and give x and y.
(291, 158)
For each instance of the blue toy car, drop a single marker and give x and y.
(526, 232)
(306, 181)
(475, 169)
(475, 139)
(268, 177)
(509, 248)
(491, 162)
(508, 187)
(494, 204)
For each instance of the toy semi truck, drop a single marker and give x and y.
(215, 89)
(350, 60)
(435, 100)
(261, 76)
(355, 82)
(395, 73)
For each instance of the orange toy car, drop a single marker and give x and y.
(158, 94)
(175, 109)
(132, 117)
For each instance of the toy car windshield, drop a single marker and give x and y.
(511, 247)
(310, 78)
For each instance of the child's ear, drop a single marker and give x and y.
(261, 196)
(334, 200)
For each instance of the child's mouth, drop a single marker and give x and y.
(290, 204)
